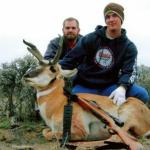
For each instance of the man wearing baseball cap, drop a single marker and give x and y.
(106, 61)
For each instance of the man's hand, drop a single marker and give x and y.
(67, 73)
(118, 96)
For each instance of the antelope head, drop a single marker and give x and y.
(41, 76)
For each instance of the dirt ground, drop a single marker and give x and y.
(26, 137)
(30, 138)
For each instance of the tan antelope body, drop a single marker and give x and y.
(46, 79)
(51, 101)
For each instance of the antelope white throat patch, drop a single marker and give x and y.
(46, 92)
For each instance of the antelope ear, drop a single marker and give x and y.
(67, 73)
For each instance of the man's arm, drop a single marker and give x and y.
(128, 73)
(73, 58)
(127, 76)
(51, 49)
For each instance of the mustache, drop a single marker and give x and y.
(70, 33)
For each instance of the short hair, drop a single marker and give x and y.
(71, 19)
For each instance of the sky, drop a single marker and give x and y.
(39, 21)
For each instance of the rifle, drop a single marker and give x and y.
(132, 143)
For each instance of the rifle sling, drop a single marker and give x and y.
(67, 118)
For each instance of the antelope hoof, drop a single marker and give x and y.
(47, 133)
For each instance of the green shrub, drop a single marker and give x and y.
(4, 123)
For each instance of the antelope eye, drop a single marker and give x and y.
(52, 69)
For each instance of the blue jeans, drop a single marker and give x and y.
(134, 91)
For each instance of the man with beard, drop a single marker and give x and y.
(71, 36)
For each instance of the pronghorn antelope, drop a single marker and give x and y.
(48, 82)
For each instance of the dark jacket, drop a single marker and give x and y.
(101, 61)
(53, 46)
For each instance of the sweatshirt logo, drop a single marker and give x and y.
(104, 58)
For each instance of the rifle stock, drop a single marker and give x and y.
(100, 114)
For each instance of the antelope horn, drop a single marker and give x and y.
(58, 52)
(34, 51)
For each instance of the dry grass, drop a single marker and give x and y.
(30, 135)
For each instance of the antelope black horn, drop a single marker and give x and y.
(33, 50)
(58, 52)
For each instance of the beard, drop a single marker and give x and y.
(70, 36)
